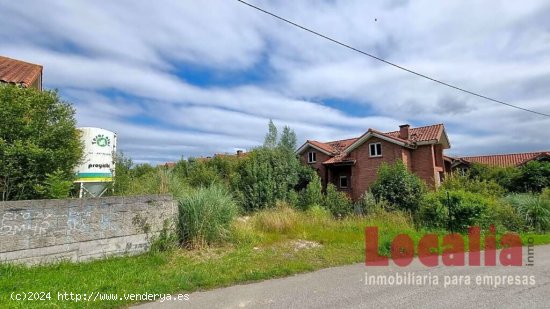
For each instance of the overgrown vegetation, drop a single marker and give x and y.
(270, 243)
(272, 175)
(206, 215)
(265, 215)
(39, 144)
(396, 185)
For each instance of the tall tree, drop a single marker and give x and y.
(270, 140)
(38, 137)
(288, 139)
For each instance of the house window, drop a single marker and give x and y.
(311, 157)
(343, 181)
(375, 150)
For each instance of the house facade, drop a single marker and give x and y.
(352, 164)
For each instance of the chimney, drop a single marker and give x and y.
(239, 153)
(404, 131)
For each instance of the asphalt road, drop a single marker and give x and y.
(345, 287)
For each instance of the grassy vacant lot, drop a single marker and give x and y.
(269, 244)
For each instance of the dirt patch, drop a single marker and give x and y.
(301, 244)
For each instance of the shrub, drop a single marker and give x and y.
(475, 185)
(338, 203)
(267, 175)
(398, 187)
(166, 239)
(535, 210)
(55, 186)
(368, 204)
(504, 176)
(280, 219)
(432, 212)
(503, 216)
(455, 210)
(312, 194)
(202, 175)
(534, 177)
(206, 215)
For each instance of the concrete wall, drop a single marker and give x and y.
(40, 231)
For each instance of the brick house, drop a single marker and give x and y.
(20, 73)
(352, 164)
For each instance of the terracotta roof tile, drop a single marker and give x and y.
(18, 72)
(421, 134)
(505, 160)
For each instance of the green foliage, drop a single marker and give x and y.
(142, 169)
(206, 215)
(38, 136)
(475, 185)
(504, 176)
(456, 210)
(534, 209)
(312, 194)
(503, 216)
(337, 202)
(267, 176)
(123, 174)
(166, 239)
(398, 187)
(433, 212)
(288, 139)
(202, 174)
(270, 140)
(535, 176)
(55, 186)
(368, 204)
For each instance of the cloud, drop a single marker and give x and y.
(127, 66)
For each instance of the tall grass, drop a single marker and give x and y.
(280, 219)
(206, 215)
(535, 210)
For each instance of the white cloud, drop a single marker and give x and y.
(139, 51)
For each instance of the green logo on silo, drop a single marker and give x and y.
(101, 140)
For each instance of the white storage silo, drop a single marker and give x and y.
(97, 169)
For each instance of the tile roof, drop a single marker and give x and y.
(421, 134)
(18, 72)
(336, 148)
(505, 160)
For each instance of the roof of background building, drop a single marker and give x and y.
(18, 72)
(505, 160)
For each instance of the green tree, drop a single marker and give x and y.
(534, 177)
(312, 194)
(55, 186)
(38, 136)
(337, 202)
(288, 139)
(270, 140)
(123, 174)
(398, 187)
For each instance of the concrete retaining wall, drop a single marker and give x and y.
(41, 231)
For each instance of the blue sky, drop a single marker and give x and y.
(192, 78)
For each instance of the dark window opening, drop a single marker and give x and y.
(375, 149)
(312, 157)
(343, 181)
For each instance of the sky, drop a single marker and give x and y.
(192, 78)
